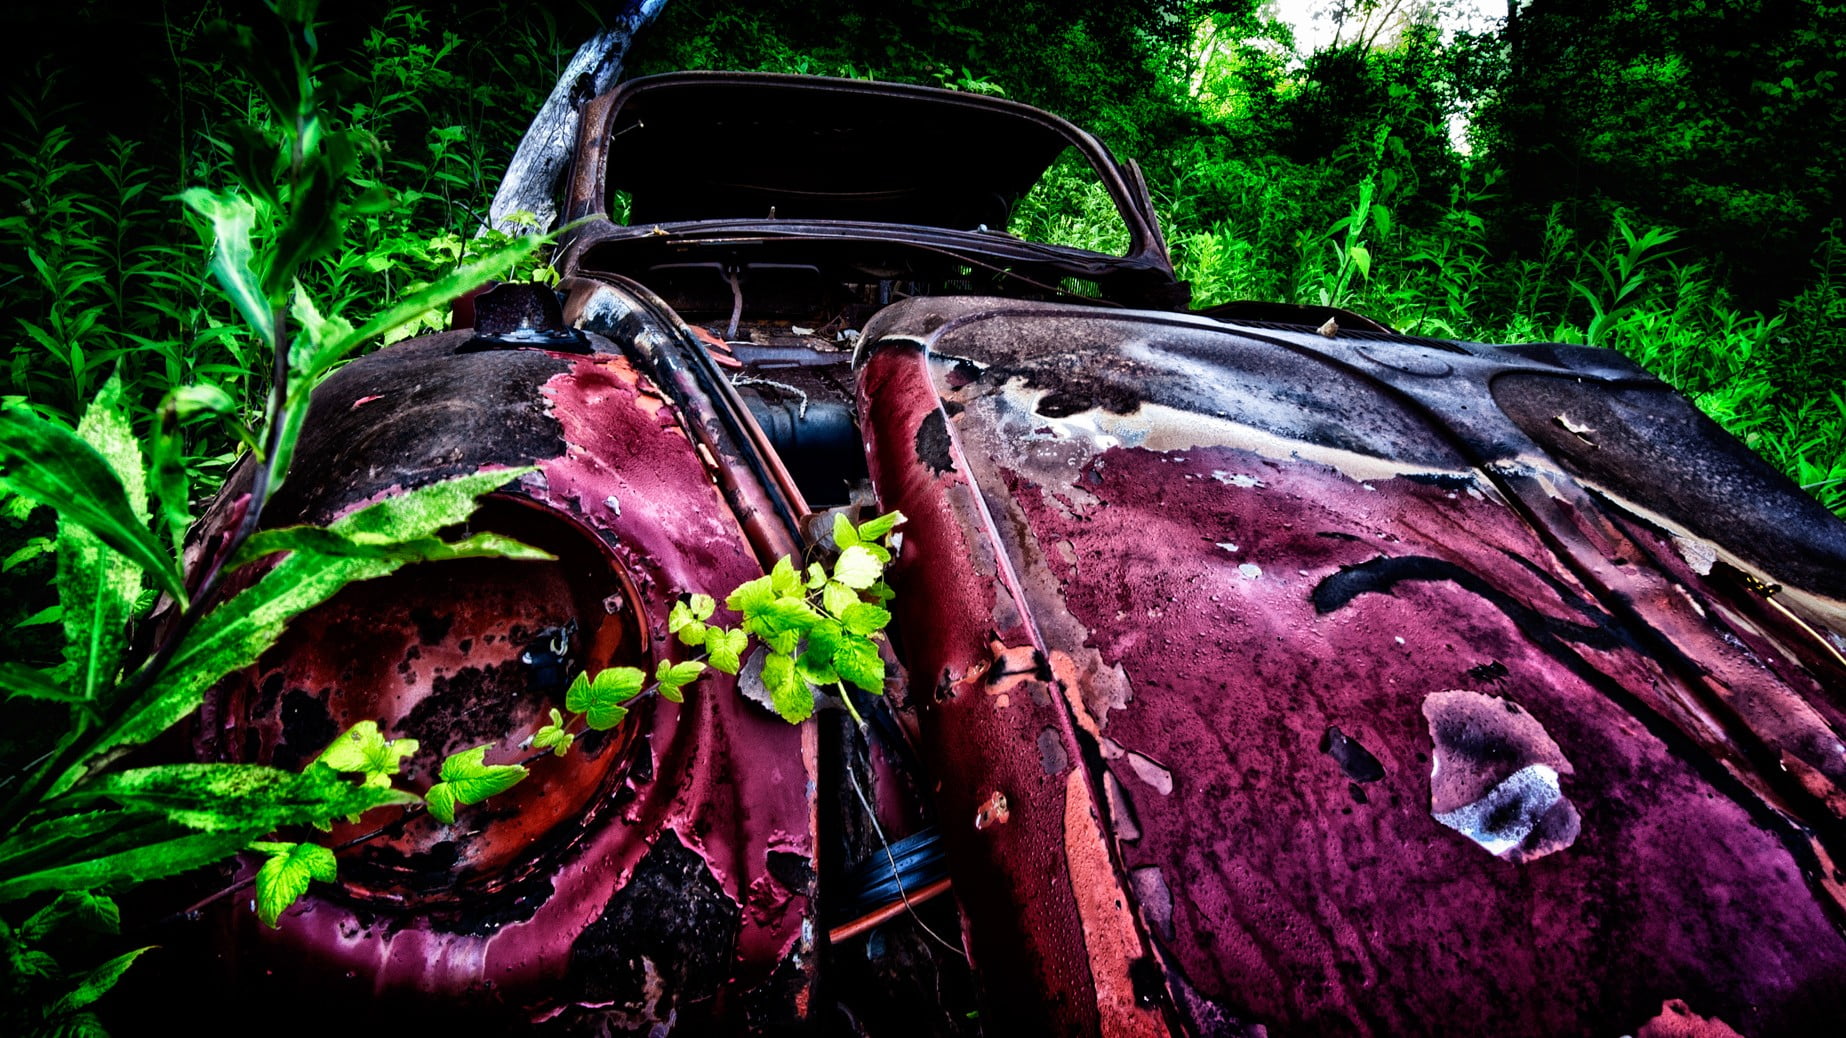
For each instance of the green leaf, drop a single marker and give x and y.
(253, 158)
(468, 779)
(286, 875)
(312, 228)
(815, 666)
(836, 598)
(783, 578)
(97, 587)
(27, 682)
(441, 803)
(553, 737)
(817, 575)
(857, 568)
(105, 848)
(682, 621)
(421, 512)
(365, 750)
(702, 607)
(864, 618)
(844, 535)
(31, 549)
(229, 638)
(858, 661)
(675, 676)
(778, 641)
(232, 219)
(726, 648)
(751, 596)
(317, 332)
(791, 698)
(232, 636)
(238, 797)
(51, 614)
(167, 465)
(599, 700)
(619, 683)
(96, 983)
(50, 464)
(824, 637)
(412, 305)
(792, 613)
(86, 909)
(876, 529)
(294, 416)
(421, 549)
(1361, 258)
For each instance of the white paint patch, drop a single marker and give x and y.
(1501, 820)
(614, 505)
(1228, 546)
(1700, 555)
(1250, 570)
(1236, 479)
(1151, 773)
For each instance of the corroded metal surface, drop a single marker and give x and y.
(1374, 707)
(664, 875)
(1262, 678)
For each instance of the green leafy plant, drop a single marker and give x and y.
(819, 627)
(73, 821)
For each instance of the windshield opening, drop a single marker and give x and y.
(1069, 205)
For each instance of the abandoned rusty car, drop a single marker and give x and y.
(1253, 671)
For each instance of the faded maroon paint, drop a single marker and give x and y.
(1250, 560)
(663, 873)
(1018, 814)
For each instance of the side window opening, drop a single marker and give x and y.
(1070, 206)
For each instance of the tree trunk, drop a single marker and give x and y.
(531, 181)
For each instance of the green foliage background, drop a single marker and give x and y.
(1654, 176)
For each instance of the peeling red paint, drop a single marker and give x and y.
(731, 782)
(1225, 650)
(1252, 602)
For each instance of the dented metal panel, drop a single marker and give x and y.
(1255, 679)
(661, 877)
(1390, 685)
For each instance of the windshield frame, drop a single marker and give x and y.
(588, 186)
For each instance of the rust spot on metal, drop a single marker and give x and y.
(1677, 1020)
(994, 811)
(662, 949)
(1109, 934)
(933, 443)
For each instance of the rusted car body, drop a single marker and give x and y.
(1258, 671)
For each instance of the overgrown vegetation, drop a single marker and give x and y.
(76, 823)
(1648, 177)
(1343, 178)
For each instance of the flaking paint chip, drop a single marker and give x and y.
(1250, 570)
(1495, 776)
(994, 812)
